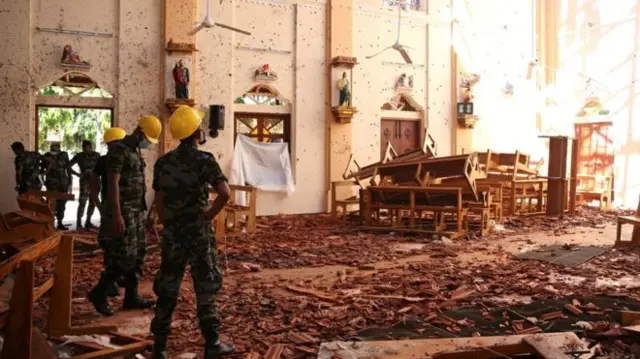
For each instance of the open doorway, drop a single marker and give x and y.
(71, 110)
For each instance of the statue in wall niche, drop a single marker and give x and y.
(70, 57)
(345, 95)
(468, 80)
(405, 81)
(181, 78)
(265, 73)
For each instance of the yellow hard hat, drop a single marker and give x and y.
(114, 134)
(151, 127)
(184, 121)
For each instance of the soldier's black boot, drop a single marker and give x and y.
(61, 227)
(214, 349)
(132, 300)
(97, 297)
(159, 347)
(113, 291)
(89, 225)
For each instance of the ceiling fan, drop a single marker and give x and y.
(397, 46)
(208, 23)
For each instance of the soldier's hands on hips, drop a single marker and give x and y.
(118, 225)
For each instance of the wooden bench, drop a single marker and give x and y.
(632, 220)
(343, 204)
(598, 188)
(431, 210)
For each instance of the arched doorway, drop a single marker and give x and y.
(70, 110)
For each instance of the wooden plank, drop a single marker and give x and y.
(25, 232)
(41, 290)
(40, 348)
(424, 348)
(17, 342)
(545, 348)
(274, 352)
(31, 253)
(121, 352)
(630, 317)
(311, 292)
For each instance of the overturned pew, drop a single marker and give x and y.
(354, 171)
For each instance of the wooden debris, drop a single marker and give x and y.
(552, 315)
(314, 293)
(573, 309)
(274, 352)
(532, 330)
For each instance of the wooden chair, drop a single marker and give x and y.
(590, 187)
(632, 220)
(343, 204)
(236, 212)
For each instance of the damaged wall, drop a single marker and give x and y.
(599, 56)
(126, 64)
(496, 40)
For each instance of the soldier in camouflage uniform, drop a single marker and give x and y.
(58, 178)
(182, 179)
(28, 168)
(123, 227)
(86, 160)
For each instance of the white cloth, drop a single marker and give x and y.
(266, 166)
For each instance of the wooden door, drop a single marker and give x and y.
(404, 135)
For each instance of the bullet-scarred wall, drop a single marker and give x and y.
(130, 66)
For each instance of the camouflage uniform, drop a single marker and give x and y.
(125, 253)
(58, 179)
(29, 164)
(86, 162)
(184, 176)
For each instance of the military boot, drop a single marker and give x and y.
(89, 225)
(61, 227)
(159, 347)
(133, 300)
(79, 224)
(97, 296)
(113, 291)
(216, 349)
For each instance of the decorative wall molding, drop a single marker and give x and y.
(283, 109)
(257, 49)
(404, 64)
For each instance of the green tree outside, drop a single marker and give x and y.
(74, 125)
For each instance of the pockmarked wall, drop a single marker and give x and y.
(127, 64)
(599, 56)
(496, 40)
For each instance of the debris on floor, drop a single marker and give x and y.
(304, 280)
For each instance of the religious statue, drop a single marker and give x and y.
(181, 78)
(345, 95)
(70, 57)
(466, 86)
(405, 81)
(265, 73)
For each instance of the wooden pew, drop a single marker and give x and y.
(522, 192)
(590, 187)
(431, 210)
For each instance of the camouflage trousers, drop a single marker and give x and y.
(61, 204)
(85, 194)
(190, 244)
(29, 185)
(123, 254)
